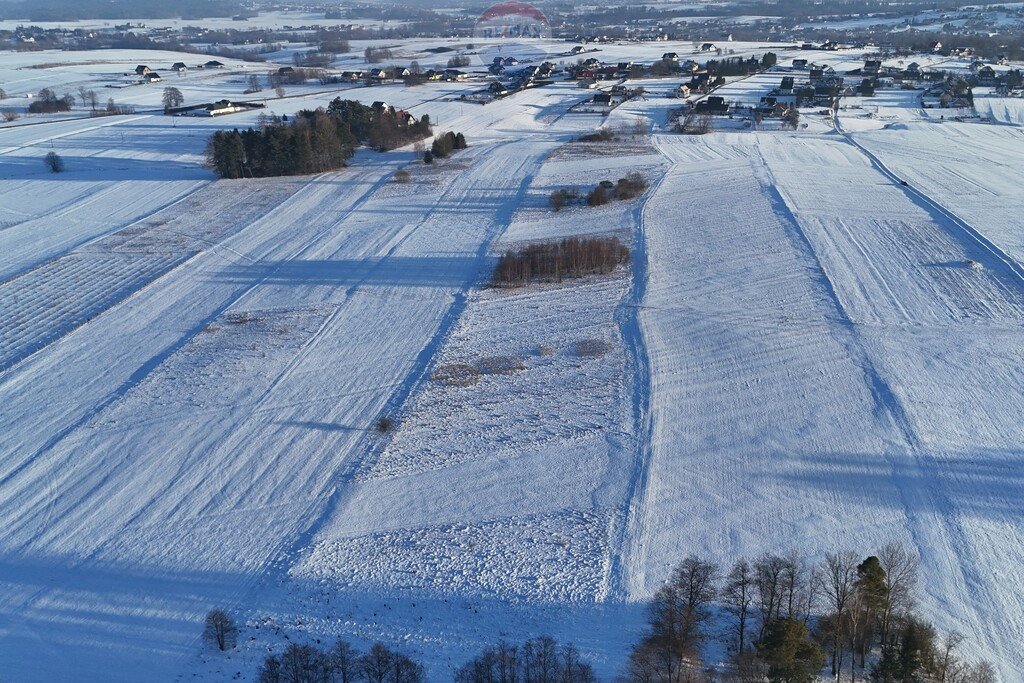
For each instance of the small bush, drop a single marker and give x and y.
(573, 257)
(500, 365)
(599, 196)
(456, 375)
(428, 157)
(545, 350)
(599, 135)
(633, 185)
(53, 162)
(559, 198)
(401, 176)
(384, 424)
(591, 348)
(9, 115)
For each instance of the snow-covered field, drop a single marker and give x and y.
(804, 353)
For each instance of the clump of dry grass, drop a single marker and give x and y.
(545, 350)
(573, 257)
(456, 375)
(591, 348)
(500, 365)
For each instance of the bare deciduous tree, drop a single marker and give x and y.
(220, 630)
(738, 596)
(837, 579)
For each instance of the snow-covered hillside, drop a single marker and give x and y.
(804, 353)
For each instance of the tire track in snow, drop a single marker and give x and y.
(161, 356)
(624, 533)
(369, 446)
(891, 409)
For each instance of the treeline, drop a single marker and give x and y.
(737, 66)
(312, 142)
(787, 619)
(62, 10)
(573, 257)
(538, 660)
(308, 664)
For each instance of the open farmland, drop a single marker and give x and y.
(298, 399)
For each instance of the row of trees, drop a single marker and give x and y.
(341, 664)
(788, 618)
(573, 257)
(540, 660)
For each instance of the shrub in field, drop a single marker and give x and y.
(568, 258)
(633, 185)
(599, 196)
(9, 114)
(559, 198)
(401, 176)
(599, 135)
(384, 424)
(53, 162)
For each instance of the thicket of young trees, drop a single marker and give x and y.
(540, 660)
(47, 102)
(342, 663)
(312, 142)
(572, 257)
(788, 619)
(446, 143)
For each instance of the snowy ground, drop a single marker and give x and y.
(803, 353)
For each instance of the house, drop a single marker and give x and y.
(380, 105)
(936, 46)
(708, 47)
(799, 64)
(142, 70)
(787, 85)
(603, 98)
(497, 89)
(670, 57)
(353, 76)
(961, 52)
(592, 63)
(683, 90)
(577, 49)
(817, 74)
(213, 64)
(872, 67)
(152, 77)
(714, 104)
(986, 75)
(913, 70)
(179, 67)
(455, 75)
(866, 88)
(286, 71)
(690, 66)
